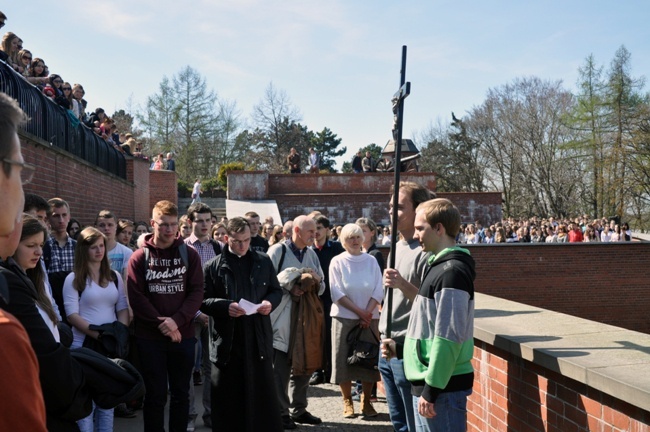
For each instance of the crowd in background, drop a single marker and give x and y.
(70, 97)
(546, 230)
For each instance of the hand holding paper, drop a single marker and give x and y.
(250, 308)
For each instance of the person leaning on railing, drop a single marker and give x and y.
(37, 74)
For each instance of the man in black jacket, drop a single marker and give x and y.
(241, 289)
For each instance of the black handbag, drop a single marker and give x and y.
(363, 353)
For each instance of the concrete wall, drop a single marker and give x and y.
(537, 370)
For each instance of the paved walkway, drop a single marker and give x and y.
(324, 401)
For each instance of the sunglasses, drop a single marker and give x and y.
(66, 89)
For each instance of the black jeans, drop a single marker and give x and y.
(166, 362)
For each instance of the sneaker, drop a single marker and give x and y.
(306, 418)
(190, 426)
(288, 424)
(123, 411)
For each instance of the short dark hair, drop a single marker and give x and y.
(417, 192)
(106, 214)
(237, 225)
(198, 208)
(35, 202)
(322, 220)
(11, 117)
(251, 214)
(58, 203)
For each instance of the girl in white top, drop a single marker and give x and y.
(93, 294)
(357, 290)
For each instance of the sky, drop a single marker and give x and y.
(337, 61)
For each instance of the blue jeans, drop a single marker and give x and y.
(166, 362)
(451, 413)
(398, 394)
(102, 418)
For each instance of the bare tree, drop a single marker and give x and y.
(277, 129)
(520, 129)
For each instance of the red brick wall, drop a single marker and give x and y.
(89, 189)
(86, 188)
(137, 172)
(607, 282)
(515, 395)
(163, 186)
(248, 185)
(347, 197)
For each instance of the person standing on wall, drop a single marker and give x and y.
(293, 160)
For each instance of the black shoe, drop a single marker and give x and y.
(306, 418)
(288, 424)
(123, 411)
(316, 378)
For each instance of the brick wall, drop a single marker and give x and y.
(137, 172)
(248, 185)
(163, 185)
(89, 189)
(512, 394)
(347, 197)
(599, 282)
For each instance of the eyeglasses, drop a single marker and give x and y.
(26, 172)
(166, 225)
(239, 242)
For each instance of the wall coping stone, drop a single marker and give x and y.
(611, 359)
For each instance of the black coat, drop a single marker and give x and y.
(221, 290)
(62, 380)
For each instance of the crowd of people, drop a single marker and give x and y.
(70, 97)
(259, 320)
(546, 230)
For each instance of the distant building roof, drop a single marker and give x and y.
(408, 147)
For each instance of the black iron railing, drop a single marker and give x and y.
(51, 123)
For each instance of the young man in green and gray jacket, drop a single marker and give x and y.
(439, 342)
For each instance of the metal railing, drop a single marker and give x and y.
(51, 123)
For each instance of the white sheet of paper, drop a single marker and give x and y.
(249, 307)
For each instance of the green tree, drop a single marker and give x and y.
(197, 119)
(625, 104)
(326, 144)
(455, 157)
(587, 118)
(159, 119)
